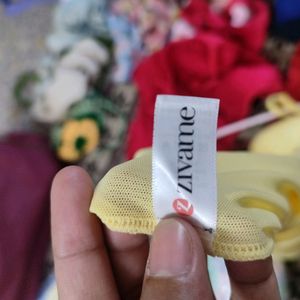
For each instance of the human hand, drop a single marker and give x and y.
(92, 262)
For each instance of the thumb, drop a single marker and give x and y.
(177, 267)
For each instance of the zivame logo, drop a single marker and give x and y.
(186, 149)
(183, 207)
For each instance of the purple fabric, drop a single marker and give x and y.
(27, 168)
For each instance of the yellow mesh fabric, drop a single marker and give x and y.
(122, 199)
(257, 196)
(287, 241)
(282, 138)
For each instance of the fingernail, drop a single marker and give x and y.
(170, 250)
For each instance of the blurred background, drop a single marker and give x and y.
(78, 83)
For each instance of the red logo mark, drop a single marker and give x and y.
(183, 207)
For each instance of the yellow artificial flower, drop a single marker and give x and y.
(78, 138)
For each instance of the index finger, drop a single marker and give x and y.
(253, 280)
(82, 267)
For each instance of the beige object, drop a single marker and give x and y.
(281, 137)
(70, 81)
(68, 87)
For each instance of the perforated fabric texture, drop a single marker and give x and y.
(256, 203)
(122, 199)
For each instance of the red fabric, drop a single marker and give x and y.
(27, 168)
(214, 64)
(251, 36)
(293, 82)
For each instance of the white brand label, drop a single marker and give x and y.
(184, 159)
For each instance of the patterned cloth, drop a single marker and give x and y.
(153, 19)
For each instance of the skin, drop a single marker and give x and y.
(92, 262)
